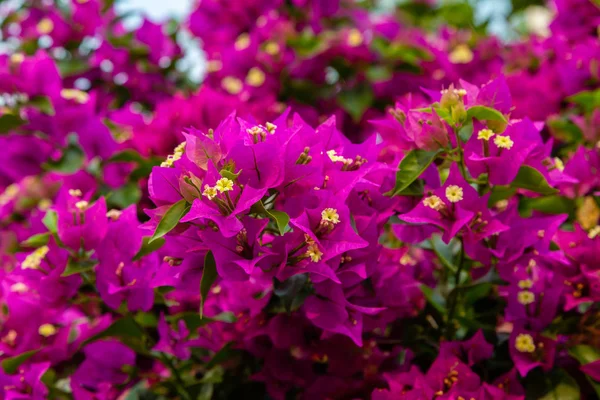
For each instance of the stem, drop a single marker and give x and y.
(461, 155)
(453, 300)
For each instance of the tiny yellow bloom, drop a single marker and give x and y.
(242, 42)
(524, 343)
(19, 287)
(525, 284)
(82, 205)
(232, 85)
(45, 26)
(209, 191)
(272, 48)
(9, 194)
(255, 77)
(33, 260)
(525, 297)
(504, 142)
(17, 58)
(77, 95)
(330, 215)
(224, 185)
(47, 330)
(355, 38)
(558, 163)
(271, 127)
(314, 253)
(434, 202)
(594, 232)
(454, 193)
(214, 65)
(461, 54)
(485, 134)
(75, 192)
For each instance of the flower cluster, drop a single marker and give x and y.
(355, 203)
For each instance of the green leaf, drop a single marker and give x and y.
(222, 355)
(38, 240)
(128, 331)
(9, 122)
(70, 162)
(209, 274)
(77, 267)
(444, 252)
(148, 247)
(465, 132)
(414, 189)
(71, 67)
(444, 114)
(564, 388)
(378, 73)
(585, 354)
(281, 219)
(225, 173)
(482, 113)
(475, 292)
(500, 193)
(288, 290)
(531, 179)
(411, 167)
(124, 196)
(434, 298)
(356, 101)
(50, 221)
(213, 375)
(547, 204)
(588, 100)
(127, 156)
(43, 104)
(10, 365)
(170, 220)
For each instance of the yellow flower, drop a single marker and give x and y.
(461, 54)
(47, 330)
(232, 84)
(18, 287)
(454, 193)
(79, 96)
(242, 42)
(224, 185)
(255, 77)
(525, 297)
(330, 215)
(558, 163)
(433, 202)
(524, 343)
(485, 134)
(214, 65)
(271, 48)
(314, 253)
(504, 142)
(595, 231)
(33, 260)
(271, 127)
(355, 38)
(525, 284)
(45, 26)
(209, 191)
(171, 158)
(82, 205)
(17, 58)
